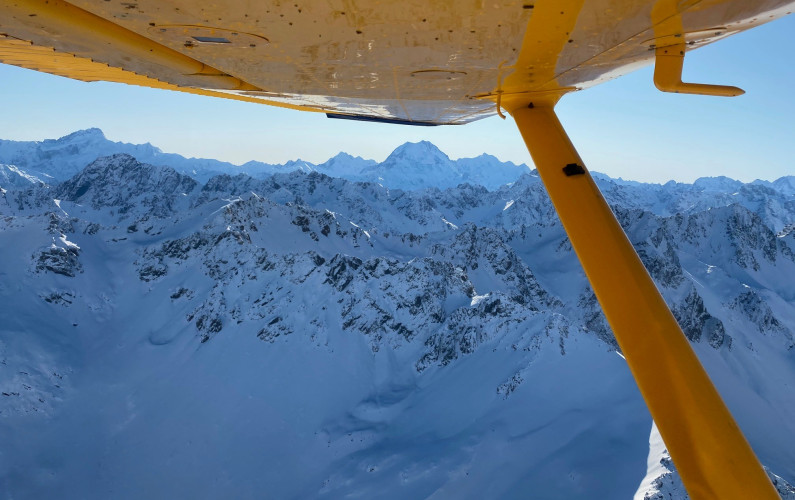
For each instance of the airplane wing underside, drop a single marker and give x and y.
(434, 62)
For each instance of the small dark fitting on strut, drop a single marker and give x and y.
(573, 169)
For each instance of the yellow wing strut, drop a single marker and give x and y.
(709, 450)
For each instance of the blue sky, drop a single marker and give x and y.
(625, 128)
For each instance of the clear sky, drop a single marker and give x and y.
(625, 128)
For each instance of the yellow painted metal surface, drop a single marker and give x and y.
(25, 55)
(668, 65)
(442, 61)
(670, 45)
(97, 34)
(708, 449)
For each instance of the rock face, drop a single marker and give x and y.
(121, 183)
(309, 336)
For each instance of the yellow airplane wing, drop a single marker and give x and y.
(433, 62)
(446, 62)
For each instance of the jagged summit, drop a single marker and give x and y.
(88, 134)
(122, 181)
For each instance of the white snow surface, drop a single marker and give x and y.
(303, 336)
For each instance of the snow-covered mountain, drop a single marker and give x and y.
(60, 159)
(12, 177)
(773, 202)
(410, 166)
(422, 165)
(305, 336)
(345, 166)
(785, 185)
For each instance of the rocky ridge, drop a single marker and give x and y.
(413, 287)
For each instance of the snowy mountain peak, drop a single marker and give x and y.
(720, 183)
(342, 156)
(784, 185)
(118, 165)
(487, 157)
(415, 165)
(59, 159)
(345, 165)
(122, 181)
(298, 164)
(86, 135)
(423, 152)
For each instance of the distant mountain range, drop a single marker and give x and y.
(411, 166)
(300, 335)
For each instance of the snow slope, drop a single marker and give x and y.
(303, 336)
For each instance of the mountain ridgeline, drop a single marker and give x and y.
(410, 166)
(301, 335)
